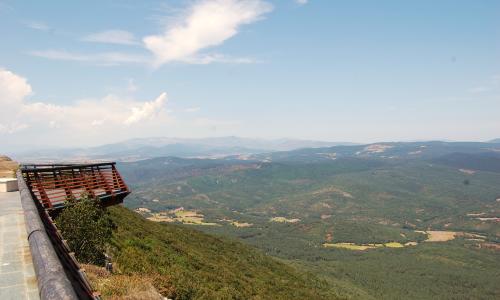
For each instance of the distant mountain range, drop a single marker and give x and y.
(389, 150)
(143, 148)
(249, 149)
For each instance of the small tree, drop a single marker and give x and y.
(87, 228)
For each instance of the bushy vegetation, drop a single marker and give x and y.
(87, 228)
(188, 264)
(452, 270)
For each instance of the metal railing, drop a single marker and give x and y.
(52, 185)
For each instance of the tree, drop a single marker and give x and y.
(87, 228)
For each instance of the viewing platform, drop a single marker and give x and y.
(53, 184)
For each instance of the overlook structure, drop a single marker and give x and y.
(52, 185)
(43, 191)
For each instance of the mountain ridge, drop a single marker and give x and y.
(143, 148)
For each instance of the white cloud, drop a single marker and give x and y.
(97, 122)
(206, 23)
(74, 119)
(131, 86)
(147, 110)
(212, 123)
(120, 37)
(12, 127)
(115, 110)
(218, 58)
(92, 121)
(192, 109)
(13, 88)
(479, 89)
(492, 84)
(301, 2)
(106, 58)
(37, 25)
(54, 124)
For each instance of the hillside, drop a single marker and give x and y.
(7, 166)
(188, 264)
(489, 161)
(363, 219)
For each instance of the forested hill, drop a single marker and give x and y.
(383, 221)
(188, 264)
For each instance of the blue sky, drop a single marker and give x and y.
(94, 72)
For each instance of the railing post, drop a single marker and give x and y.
(67, 189)
(41, 189)
(103, 179)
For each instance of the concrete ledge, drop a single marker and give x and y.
(52, 281)
(8, 185)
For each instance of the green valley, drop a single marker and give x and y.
(375, 220)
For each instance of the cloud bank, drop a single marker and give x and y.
(18, 114)
(92, 121)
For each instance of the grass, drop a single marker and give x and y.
(238, 224)
(393, 245)
(191, 217)
(120, 286)
(352, 246)
(440, 236)
(284, 220)
(194, 265)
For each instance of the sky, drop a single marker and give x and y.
(94, 72)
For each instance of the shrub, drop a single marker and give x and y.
(87, 228)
